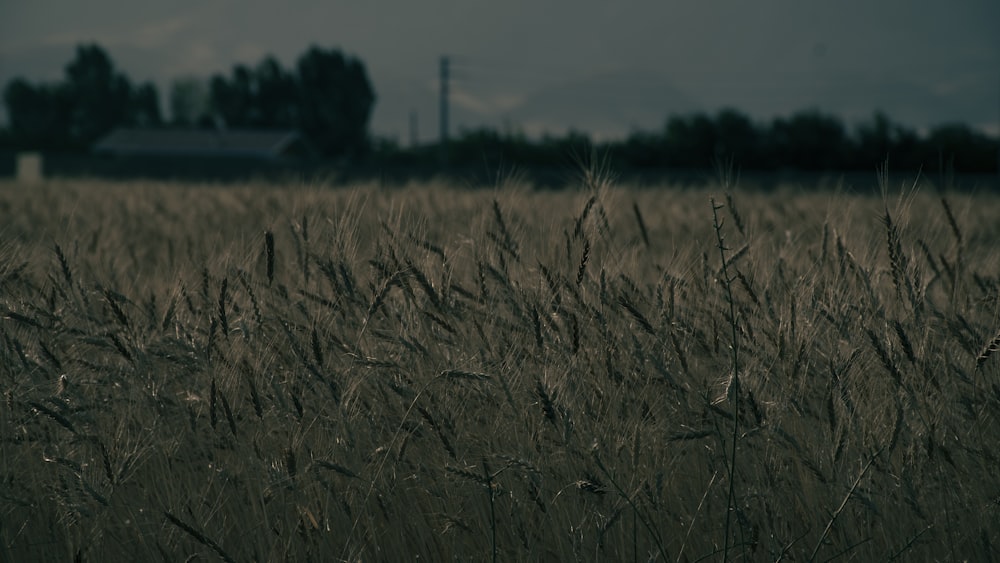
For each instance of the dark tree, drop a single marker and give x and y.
(641, 149)
(880, 140)
(958, 147)
(328, 98)
(102, 98)
(37, 115)
(144, 109)
(336, 101)
(276, 95)
(264, 97)
(875, 140)
(232, 100)
(691, 141)
(92, 100)
(809, 140)
(737, 138)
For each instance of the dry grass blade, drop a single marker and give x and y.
(735, 214)
(64, 265)
(582, 269)
(269, 255)
(898, 262)
(642, 224)
(578, 228)
(291, 464)
(223, 317)
(14, 316)
(337, 468)
(439, 431)
(112, 301)
(317, 347)
(952, 222)
(62, 420)
(733, 381)
(120, 347)
(548, 406)
(991, 348)
(690, 527)
(377, 299)
(905, 342)
(462, 374)
(213, 398)
(624, 301)
(690, 435)
(505, 241)
(592, 485)
(258, 407)
(843, 504)
(229, 413)
(883, 356)
(204, 540)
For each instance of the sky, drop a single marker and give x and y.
(604, 68)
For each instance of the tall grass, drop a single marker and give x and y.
(363, 374)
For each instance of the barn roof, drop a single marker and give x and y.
(252, 143)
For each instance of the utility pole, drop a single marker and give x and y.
(444, 108)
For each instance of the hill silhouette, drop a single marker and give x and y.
(609, 104)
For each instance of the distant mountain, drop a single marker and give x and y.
(606, 105)
(918, 103)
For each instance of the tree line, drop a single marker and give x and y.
(329, 98)
(809, 140)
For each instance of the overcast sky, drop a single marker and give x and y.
(604, 67)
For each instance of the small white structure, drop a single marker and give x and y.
(29, 168)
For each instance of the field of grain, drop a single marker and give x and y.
(605, 373)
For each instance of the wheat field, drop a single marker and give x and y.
(423, 372)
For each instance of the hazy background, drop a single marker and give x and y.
(603, 68)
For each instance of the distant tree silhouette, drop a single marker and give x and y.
(809, 140)
(957, 147)
(37, 115)
(737, 138)
(641, 149)
(329, 98)
(880, 140)
(875, 140)
(335, 101)
(103, 98)
(263, 97)
(144, 108)
(93, 99)
(690, 141)
(232, 100)
(277, 95)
